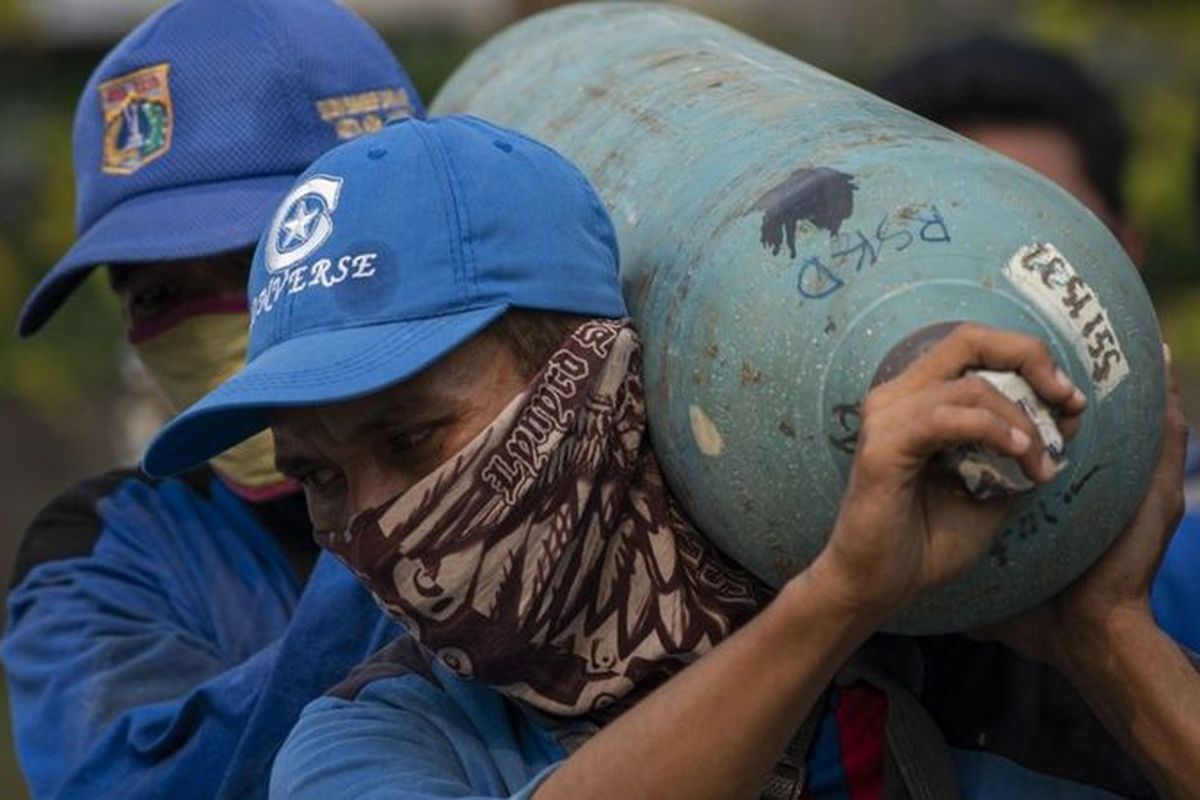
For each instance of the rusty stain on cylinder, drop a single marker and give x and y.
(750, 375)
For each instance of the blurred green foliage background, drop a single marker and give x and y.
(57, 391)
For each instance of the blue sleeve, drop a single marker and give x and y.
(403, 739)
(145, 667)
(335, 626)
(1175, 596)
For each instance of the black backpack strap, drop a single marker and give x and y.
(916, 750)
(786, 779)
(917, 760)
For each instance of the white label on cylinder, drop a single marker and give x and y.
(1044, 277)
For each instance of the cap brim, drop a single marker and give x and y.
(184, 222)
(310, 370)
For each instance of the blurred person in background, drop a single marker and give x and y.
(1041, 109)
(1032, 105)
(163, 635)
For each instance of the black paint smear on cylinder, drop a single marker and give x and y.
(821, 196)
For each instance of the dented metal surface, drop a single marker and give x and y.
(780, 232)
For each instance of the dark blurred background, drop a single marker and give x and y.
(73, 403)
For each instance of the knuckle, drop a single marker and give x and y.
(975, 389)
(867, 463)
(940, 424)
(867, 430)
(945, 422)
(940, 416)
(968, 331)
(998, 426)
(874, 403)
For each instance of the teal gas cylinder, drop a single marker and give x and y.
(781, 231)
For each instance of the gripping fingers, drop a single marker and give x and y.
(976, 392)
(951, 425)
(972, 346)
(970, 410)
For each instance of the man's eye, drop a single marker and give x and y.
(404, 441)
(153, 301)
(321, 478)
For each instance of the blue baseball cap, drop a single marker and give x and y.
(194, 126)
(391, 251)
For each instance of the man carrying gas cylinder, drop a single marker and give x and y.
(466, 414)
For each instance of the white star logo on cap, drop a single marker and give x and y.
(299, 223)
(303, 222)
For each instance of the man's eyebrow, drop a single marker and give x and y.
(417, 407)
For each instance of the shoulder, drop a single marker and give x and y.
(399, 681)
(403, 657)
(389, 722)
(69, 525)
(403, 693)
(403, 720)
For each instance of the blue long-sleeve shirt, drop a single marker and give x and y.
(404, 727)
(1176, 594)
(159, 643)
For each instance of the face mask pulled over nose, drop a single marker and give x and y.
(201, 345)
(547, 558)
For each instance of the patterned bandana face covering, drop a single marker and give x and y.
(548, 558)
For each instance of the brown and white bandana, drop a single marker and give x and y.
(548, 558)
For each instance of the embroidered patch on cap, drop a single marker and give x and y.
(137, 119)
(352, 115)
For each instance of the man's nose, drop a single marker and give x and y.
(369, 485)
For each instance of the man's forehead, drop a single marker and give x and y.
(338, 423)
(449, 383)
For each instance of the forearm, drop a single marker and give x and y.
(1146, 692)
(715, 730)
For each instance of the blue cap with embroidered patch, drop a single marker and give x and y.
(195, 125)
(390, 252)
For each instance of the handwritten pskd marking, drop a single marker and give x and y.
(815, 280)
(825, 272)
(1044, 277)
